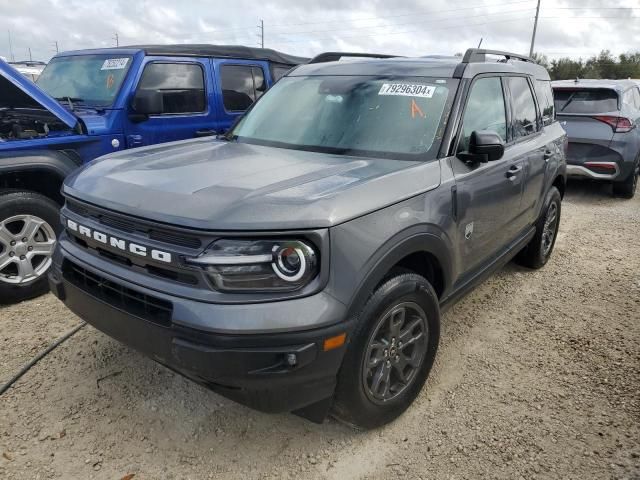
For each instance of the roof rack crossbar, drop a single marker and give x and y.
(477, 55)
(335, 56)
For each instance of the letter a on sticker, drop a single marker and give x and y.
(415, 110)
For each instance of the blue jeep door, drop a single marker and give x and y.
(187, 90)
(239, 84)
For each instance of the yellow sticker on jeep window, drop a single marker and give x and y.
(407, 90)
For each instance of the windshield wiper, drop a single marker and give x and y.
(70, 100)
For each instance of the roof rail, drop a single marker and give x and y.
(477, 55)
(335, 56)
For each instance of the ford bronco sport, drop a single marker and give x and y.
(92, 102)
(302, 262)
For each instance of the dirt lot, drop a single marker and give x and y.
(538, 376)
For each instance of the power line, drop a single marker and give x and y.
(356, 19)
(449, 27)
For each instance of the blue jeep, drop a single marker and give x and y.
(92, 102)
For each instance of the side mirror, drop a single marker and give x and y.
(484, 146)
(148, 102)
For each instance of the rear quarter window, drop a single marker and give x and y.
(589, 101)
(544, 93)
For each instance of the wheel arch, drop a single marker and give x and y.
(425, 253)
(40, 171)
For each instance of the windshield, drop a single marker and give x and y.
(367, 116)
(85, 80)
(585, 101)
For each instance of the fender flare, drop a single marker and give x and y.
(418, 239)
(59, 163)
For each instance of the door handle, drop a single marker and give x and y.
(548, 154)
(513, 172)
(205, 133)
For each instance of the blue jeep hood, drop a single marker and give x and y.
(16, 91)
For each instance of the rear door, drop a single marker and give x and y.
(578, 110)
(186, 86)
(239, 83)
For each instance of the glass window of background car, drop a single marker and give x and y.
(278, 72)
(181, 84)
(485, 110)
(241, 86)
(545, 100)
(524, 108)
(636, 97)
(600, 100)
(351, 115)
(84, 78)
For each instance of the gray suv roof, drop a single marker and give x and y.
(619, 85)
(430, 66)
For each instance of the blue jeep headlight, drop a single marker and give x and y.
(237, 265)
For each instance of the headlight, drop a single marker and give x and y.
(259, 265)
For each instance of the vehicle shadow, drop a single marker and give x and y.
(588, 191)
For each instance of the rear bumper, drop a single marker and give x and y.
(274, 372)
(595, 170)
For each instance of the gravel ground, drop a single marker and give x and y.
(537, 377)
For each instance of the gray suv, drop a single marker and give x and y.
(601, 118)
(301, 263)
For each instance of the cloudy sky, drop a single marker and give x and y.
(305, 27)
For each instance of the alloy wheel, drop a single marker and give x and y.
(550, 228)
(395, 352)
(26, 248)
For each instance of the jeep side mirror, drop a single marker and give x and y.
(484, 146)
(147, 102)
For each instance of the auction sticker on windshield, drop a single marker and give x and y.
(114, 63)
(407, 90)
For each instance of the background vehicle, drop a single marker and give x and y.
(601, 118)
(30, 69)
(92, 102)
(301, 264)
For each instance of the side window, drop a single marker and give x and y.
(524, 108)
(241, 86)
(278, 71)
(636, 97)
(181, 85)
(545, 100)
(628, 97)
(485, 110)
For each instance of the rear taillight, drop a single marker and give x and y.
(619, 124)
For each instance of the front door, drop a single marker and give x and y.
(186, 87)
(488, 194)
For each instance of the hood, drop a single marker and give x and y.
(16, 91)
(216, 185)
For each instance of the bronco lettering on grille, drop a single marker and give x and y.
(118, 243)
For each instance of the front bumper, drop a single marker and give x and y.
(271, 372)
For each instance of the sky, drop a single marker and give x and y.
(576, 28)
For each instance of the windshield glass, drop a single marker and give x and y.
(85, 80)
(367, 116)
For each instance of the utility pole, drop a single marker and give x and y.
(55, 45)
(13, 59)
(115, 37)
(535, 27)
(30, 57)
(261, 27)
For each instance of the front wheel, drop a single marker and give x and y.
(537, 252)
(391, 352)
(28, 231)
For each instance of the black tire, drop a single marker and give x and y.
(627, 188)
(14, 203)
(354, 403)
(537, 252)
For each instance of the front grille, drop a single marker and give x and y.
(131, 226)
(126, 299)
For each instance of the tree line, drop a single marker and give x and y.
(603, 65)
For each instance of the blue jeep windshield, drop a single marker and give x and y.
(85, 80)
(367, 116)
